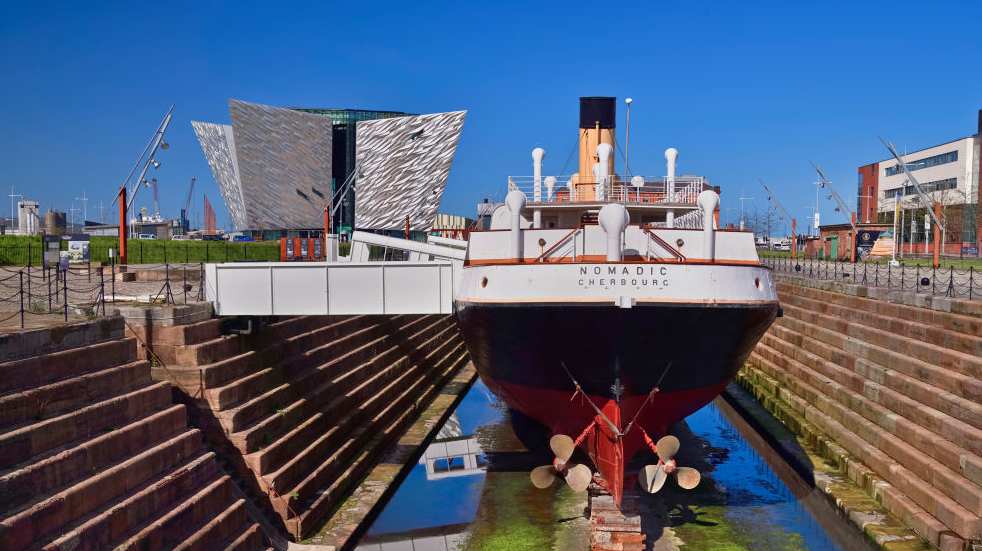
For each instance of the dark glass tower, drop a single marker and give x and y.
(345, 122)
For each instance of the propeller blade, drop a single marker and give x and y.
(579, 477)
(688, 478)
(652, 478)
(563, 446)
(667, 447)
(543, 477)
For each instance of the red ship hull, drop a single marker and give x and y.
(643, 369)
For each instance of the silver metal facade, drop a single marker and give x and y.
(403, 164)
(284, 165)
(218, 143)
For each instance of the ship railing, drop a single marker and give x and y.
(690, 221)
(655, 239)
(559, 243)
(683, 190)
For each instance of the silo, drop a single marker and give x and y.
(54, 222)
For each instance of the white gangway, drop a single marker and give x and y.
(423, 283)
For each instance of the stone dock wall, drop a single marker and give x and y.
(165, 428)
(888, 385)
(302, 408)
(95, 454)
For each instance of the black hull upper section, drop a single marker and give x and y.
(611, 350)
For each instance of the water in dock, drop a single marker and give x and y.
(471, 491)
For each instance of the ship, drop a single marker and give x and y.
(607, 307)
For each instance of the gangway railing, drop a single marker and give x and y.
(423, 281)
(330, 288)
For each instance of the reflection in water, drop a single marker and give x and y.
(459, 456)
(749, 499)
(439, 499)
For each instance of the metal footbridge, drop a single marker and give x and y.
(421, 282)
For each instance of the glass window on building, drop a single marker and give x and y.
(941, 159)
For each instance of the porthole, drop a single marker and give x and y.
(484, 282)
(679, 242)
(757, 282)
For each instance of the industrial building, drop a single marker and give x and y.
(948, 173)
(27, 217)
(278, 168)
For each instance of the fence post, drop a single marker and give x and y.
(934, 277)
(201, 281)
(49, 292)
(971, 280)
(28, 285)
(22, 298)
(226, 251)
(102, 290)
(112, 281)
(207, 250)
(29, 254)
(64, 280)
(184, 287)
(165, 252)
(917, 278)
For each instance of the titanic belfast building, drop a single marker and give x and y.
(277, 168)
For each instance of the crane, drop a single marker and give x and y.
(840, 206)
(931, 206)
(156, 202)
(784, 214)
(186, 211)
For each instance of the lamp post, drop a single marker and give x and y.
(85, 207)
(868, 208)
(12, 195)
(627, 137)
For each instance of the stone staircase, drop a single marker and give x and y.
(308, 404)
(94, 455)
(897, 387)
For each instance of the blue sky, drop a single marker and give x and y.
(744, 90)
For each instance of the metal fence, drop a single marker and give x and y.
(56, 290)
(950, 282)
(142, 251)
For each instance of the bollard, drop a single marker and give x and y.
(22, 299)
(64, 283)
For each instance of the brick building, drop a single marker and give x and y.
(949, 173)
